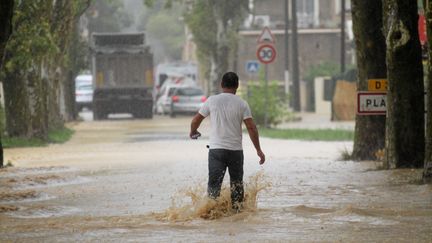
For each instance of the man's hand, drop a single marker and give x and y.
(196, 121)
(262, 157)
(194, 134)
(253, 134)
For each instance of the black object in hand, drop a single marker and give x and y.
(196, 135)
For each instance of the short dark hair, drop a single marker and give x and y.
(230, 80)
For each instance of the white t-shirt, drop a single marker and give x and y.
(227, 112)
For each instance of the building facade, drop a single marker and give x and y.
(319, 38)
(319, 34)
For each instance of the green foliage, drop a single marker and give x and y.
(107, 16)
(276, 106)
(308, 134)
(2, 121)
(165, 31)
(55, 136)
(214, 25)
(345, 155)
(152, 3)
(35, 55)
(202, 21)
(324, 69)
(31, 39)
(9, 164)
(16, 142)
(60, 136)
(203, 27)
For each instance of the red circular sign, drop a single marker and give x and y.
(266, 53)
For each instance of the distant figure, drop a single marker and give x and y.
(227, 112)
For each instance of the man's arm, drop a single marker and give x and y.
(253, 134)
(196, 122)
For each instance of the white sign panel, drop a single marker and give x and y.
(371, 103)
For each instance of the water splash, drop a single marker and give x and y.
(199, 205)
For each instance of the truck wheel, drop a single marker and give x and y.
(137, 115)
(96, 116)
(99, 115)
(148, 114)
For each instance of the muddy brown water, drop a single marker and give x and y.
(143, 180)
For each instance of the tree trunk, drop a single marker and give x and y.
(214, 76)
(55, 119)
(64, 25)
(427, 173)
(17, 106)
(219, 59)
(295, 73)
(37, 101)
(6, 14)
(405, 138)
(69, 96)
(371, 63)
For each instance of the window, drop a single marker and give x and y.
(306, 13)
(84, 87)
(171, 91)
(338, 6)
(305, 7)
(190, 92)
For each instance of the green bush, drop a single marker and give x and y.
(2, 121)
(58, 136)
(323, 69)
(276, 106)
(309, 134)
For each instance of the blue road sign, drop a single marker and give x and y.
(252, 66)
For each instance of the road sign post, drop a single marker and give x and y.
(266, 54)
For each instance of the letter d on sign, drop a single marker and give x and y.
(378, 85)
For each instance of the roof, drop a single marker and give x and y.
(117, 39)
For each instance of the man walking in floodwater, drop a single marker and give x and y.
(227, 112)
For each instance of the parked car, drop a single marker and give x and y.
(83, 92)
(186, 100)
(163, 99)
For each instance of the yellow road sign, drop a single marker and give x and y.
(377, 85)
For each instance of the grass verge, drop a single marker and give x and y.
(54, 136)
(308, 134)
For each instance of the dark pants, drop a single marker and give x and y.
(219, 160)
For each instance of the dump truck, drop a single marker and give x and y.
(122, 68)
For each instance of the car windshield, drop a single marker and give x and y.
(85, 87)
(171, 91)
(190, 92)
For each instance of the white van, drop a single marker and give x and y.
(83, 91)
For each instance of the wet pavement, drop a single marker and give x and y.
(144, 180)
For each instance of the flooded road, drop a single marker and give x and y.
(145, 181)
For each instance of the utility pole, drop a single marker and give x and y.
(342, 57)
(286, 73)
(294, 58)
